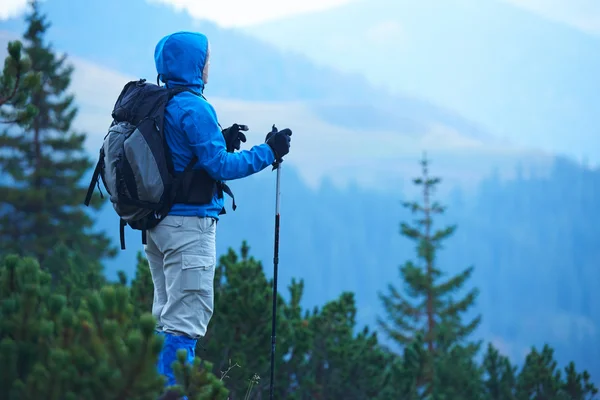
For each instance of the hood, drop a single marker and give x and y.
(181, 60)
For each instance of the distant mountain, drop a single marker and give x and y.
(518, 75)
(346, 129)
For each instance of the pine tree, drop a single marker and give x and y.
(142, 287)
(293, 344)
(43, 164)
(413, 367)
(578, 386)
(97, 351)
(429, 307)
(74, 274)
(456, 374)
(238, 340)
(318, 354)
(343, 365)
(540, 379)
(16, 82)
(500, 376)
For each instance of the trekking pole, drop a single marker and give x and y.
(275, 265)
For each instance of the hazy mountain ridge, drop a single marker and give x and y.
(345, 129)
(241, 67)
(520, 76)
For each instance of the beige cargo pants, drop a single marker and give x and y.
(182, 256)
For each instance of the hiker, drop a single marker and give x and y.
(181, 249)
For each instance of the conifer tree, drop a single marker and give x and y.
(44, 162)
(16, 82)
(578, 386)
(499, 375)
(343, 365)
(541, 379)
(293, 345)
(238, 340)
(428, 305)
(142, 287)
(97, 351)
(74, 274)
(456, 374)
(318, 354)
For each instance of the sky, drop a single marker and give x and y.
(246, 13)
(581, 14)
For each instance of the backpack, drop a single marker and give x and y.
(135, 162)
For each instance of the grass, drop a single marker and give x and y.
(251, 382)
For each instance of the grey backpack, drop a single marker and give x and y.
(135, 164)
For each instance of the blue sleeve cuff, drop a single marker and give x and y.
(269, 151)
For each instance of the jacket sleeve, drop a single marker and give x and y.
(207, 142)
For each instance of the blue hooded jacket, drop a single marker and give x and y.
(191, 125)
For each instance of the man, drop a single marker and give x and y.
(181, 249)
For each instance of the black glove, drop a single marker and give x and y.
(279, 141)
(273, 131)
(234, 137)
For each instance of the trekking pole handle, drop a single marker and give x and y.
(277, 189)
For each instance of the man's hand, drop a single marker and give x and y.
(234, 137)
(279, 141)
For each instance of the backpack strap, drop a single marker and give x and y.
(227, 190)
(122, 224)
(172, 92)
(94, 181)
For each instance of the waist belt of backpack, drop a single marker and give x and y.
(222, 187)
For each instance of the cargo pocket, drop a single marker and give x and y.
(197, 273)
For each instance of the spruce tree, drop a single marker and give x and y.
(456, 374)
(428, 305)
(43, 164)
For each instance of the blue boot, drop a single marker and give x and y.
(168, 355)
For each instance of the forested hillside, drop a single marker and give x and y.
(533, 243)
